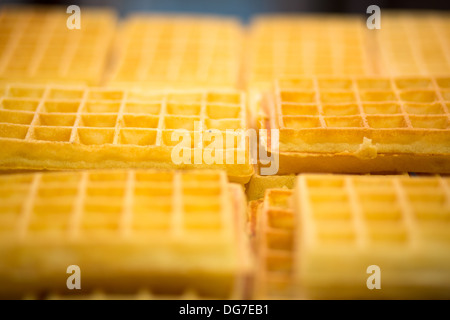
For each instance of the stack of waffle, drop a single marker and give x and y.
(167, 92)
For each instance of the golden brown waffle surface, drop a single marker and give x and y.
(165, 231)
(292, 45)
(157, 51)
(60, 127)
(378, 122)
(398, 115)
(347, 223)
(36, 45)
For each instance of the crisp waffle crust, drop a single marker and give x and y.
(359, 124)
(63, 127)
(336, 115)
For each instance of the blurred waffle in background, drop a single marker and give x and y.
(294, 45)
(36, 45)
(412, 44)
(157, 51)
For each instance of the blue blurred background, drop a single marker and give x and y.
(246, 8)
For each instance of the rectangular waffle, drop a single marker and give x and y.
(294, 45)
(412, 44)
(347, 223)
(363, 125)
(275, 234)
(167, 232)
(64, 127)
(36, 45)
(178, 51)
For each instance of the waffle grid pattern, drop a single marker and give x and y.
(397, 223)
(178, 51)
(360, 211)
(79, 119)
(105, 116)
(37, 46)
(147, 229)
(400, 224)
(283, 46)
(376, 108)
(121, 203)
(415, 44)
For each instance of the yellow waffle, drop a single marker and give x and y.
(275, 246)
(361, 124)
(36, 45)
(348, 223)
(165, 231)
(178, 52)
(415, 43)
(289, 45)
(258, 184)
(61, 127)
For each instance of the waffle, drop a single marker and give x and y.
(62, 127)
(158, 51)
(275, 246)
(412, 44)
(258, 185)
(361, 124)
(348, 223)
(293, 45)
(128, 230)
(36, 45)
